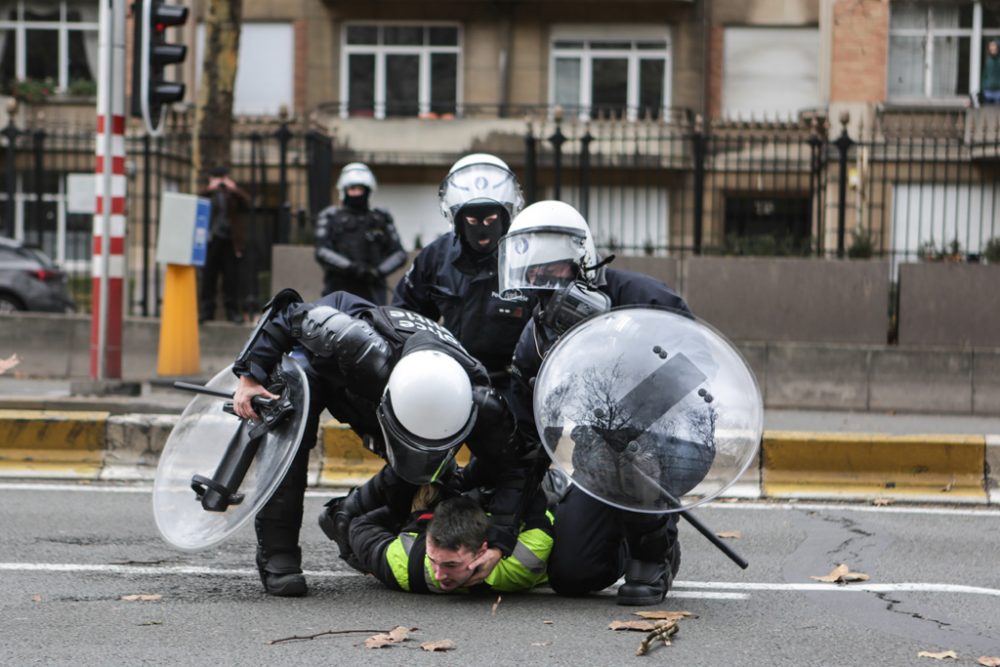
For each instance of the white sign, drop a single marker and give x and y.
(80, 194)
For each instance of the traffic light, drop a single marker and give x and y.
(151, 92)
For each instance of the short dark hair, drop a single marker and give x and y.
(218, 172)
(458, 522)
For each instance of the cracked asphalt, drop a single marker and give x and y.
(70, 553)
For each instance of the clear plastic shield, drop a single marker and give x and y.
(647, 410)
(197, 445)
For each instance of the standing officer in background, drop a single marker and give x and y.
(455, 277)
(357, 246)
(226, 243)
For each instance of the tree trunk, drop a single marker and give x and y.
(213, 115)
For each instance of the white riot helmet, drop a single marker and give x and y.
(480, 178)
(548, 246)
(427, 411)
(355, 173)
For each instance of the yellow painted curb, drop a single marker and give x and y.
(945, 467)
(52, 444)
(345, 460)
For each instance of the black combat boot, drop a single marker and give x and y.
(654, 561)
(384, 489)
(335, 522)
(279, 558)
(281, 572)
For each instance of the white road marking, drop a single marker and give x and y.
(703, 589)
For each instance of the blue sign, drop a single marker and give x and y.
(199, 246)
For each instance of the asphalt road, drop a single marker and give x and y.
(70, 553)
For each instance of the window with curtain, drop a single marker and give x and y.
(53, 40)
(400, 70)
(619, 71)
(936, 48)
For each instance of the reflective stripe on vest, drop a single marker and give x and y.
(404, 560)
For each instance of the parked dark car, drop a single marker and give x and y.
(29, 280)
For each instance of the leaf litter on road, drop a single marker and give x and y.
(841, 575)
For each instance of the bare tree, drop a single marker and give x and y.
(213, 116)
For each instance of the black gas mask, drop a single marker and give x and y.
(572, 304)
(481, 225)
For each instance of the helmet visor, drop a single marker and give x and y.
(539, 259)
(481, 183)
(415, 459)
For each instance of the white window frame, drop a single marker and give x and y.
(380, 51)
(19, 28)
(976, 34)
(586, 55)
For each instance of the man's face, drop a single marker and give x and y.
(993, 48)
(355, 190)
(451, 567)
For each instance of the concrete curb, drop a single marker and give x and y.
(792, 464)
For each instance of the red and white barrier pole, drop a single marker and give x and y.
(108, 265)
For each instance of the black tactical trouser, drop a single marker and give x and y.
(593, 541)
(279, 521)
(220, 259)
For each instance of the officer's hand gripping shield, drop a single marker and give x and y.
(648, 410)
(216, 470)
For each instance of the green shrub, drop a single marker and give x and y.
(862, 244)
(991, 251)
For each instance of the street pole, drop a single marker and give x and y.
(108, 262)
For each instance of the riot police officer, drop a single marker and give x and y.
(357, 246)
(455, 277)
(405, 385)
(550, 251)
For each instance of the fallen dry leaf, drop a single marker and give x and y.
(731, 534)
(881, 502)
(141, 598)
(8, 363)
(36, 598)
(493, 610)
(439, 645)
(547, 622)
(639, 626)
(663, 614)
(395, 636)
(842, 575)
(989, 661)
(938, 656)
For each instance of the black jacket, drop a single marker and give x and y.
(448, 282)
(625, 288)
(357, 250)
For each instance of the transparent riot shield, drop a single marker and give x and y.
(211, 450)
(648, 410)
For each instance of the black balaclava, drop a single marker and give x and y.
(479, 238)
(359, 203)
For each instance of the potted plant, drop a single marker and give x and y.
(32, 91)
